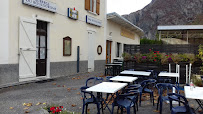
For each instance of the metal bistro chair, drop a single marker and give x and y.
(93, 80)
(123, 101)
(161, 88)
(179, 109)
(147, 86)
(89, 98)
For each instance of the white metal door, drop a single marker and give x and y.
(27, 48)
(91, 51)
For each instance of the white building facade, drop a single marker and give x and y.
(43, 39)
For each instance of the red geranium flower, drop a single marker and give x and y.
(154, 59)
(52, 108)
(150, 50)
(155, 56)
(166, 55)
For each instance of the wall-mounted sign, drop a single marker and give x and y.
(93, 21)
(128, 34)
(43, 4)
(72, 13)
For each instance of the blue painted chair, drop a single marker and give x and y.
(164, 97)
(133, 89)
(147, 86)
(185, 109)
(93, 80)
(126, 100)
(89, 98)
(108, 78)
(152, 74)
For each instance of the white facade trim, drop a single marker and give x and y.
(4, 28)
(38, 17)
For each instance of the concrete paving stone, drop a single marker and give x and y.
(56, 92)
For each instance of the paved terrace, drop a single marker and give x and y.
(61, 91)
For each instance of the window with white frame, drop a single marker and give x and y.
(93, 6)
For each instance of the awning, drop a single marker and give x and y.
(180, 27)
(124, 23)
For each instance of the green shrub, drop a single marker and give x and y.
(148, 41)
(183, 57)
(191, 58)
(126, 56)
(176, 58)
(164, 58)
(200, 55)
(137, 57)
(197, 80)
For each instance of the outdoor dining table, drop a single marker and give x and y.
(117, 62)
(107, 87)
(140, 73)
(194, 93)
(167, 74)
(127, 79)
(116, 68)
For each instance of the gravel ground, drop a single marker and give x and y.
(62, 91)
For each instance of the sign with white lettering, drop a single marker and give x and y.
(72, 13)
(93, 21)
(43, 4)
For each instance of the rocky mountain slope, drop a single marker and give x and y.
(167, 12)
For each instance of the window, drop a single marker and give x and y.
(93, 6)
(67, 46)
(118, 49)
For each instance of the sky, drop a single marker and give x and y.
(125, 6)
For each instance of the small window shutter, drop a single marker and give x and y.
(98, 7)
(87, 4)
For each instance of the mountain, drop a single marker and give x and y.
(167, 12)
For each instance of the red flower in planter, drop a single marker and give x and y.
(154, 59)
(166, 55)
(150, 50)
(52, 108)
(155, 56)
(56, 109)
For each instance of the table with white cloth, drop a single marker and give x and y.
(139, 73)
(172, 75)
(127, 79)
(107, 87)
(194, 93)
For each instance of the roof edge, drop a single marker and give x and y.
(114, 14)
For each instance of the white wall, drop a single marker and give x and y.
(4, 28)
(115, 30)
(61, 27)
